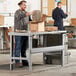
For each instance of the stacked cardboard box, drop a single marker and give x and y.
(44, 17)
(37, 26)
(51, 28)
(73, 21)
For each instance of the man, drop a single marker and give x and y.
(58, 16)
(21, 20)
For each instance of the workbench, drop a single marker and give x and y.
(32, 50)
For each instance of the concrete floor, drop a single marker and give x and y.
(38, 68)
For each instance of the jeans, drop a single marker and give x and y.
(21, 45)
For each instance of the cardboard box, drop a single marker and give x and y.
(51, 28)
(44, 17)
(1, 20)
(50, 22)
(73, 21)
(37, 26)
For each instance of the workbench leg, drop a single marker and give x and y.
(11, 52)
(63, 51)
(30, 54)
(45, 38)
(63, 58)
(30, 63)
(66, 47)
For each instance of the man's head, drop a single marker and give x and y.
(22, 5)
(59, 4)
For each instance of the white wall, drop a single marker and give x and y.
(12, 7)
(31, 5)
(73, 8)
(35, 5)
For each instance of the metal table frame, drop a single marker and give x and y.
(36, 50)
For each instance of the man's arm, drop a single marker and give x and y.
(63, 14)
(19, 15)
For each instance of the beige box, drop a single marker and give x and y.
(37, 26)
(36, 16)
(1, 20)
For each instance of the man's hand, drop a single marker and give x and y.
(66, 13)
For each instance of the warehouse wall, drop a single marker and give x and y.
(31, 4)
(34, 5)
(12, 6)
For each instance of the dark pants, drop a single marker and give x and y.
(59, 24)
(21, 45)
